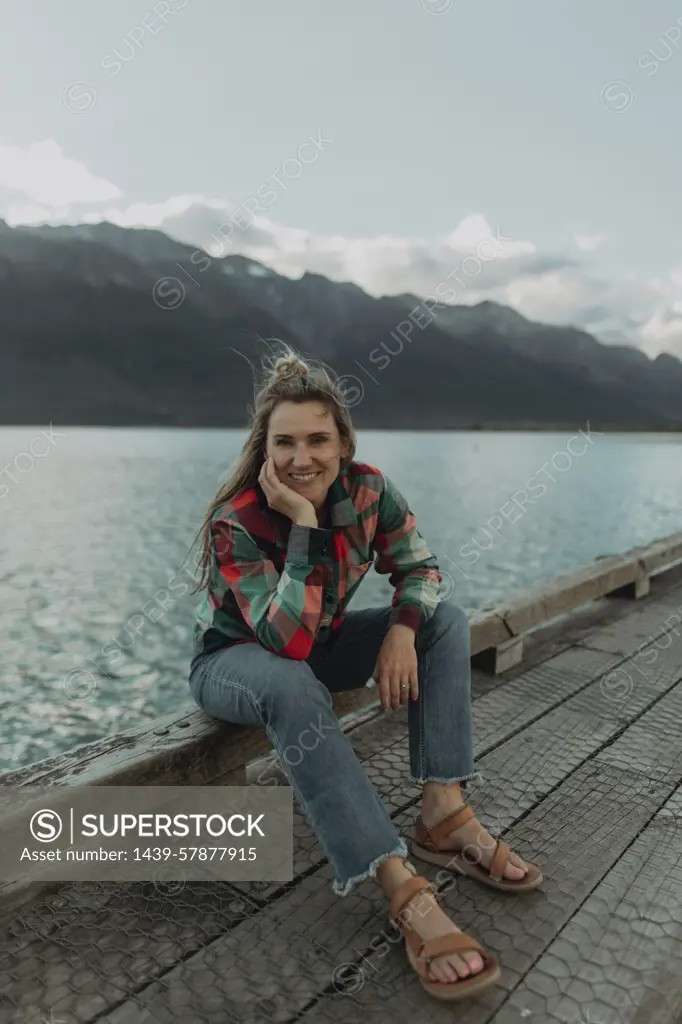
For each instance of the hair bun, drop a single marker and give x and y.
(290, 366)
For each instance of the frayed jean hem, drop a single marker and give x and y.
(344, 888)
(474, 776)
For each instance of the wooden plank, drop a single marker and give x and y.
(497, 660)
(661, 554)
(185, 747)
(617, 961)
(630, 688)
(626, 574)
(603, 576)
(100, 956)
(486, 629)
(576, 835)
(180, 748)
(636, 590)
(543, 603)
(653, 745)
(506, 711)
(642, 627)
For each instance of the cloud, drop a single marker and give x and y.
(663, 332)
(381, 265)
(41, 185)
(152, 215)
(43, 175)
(587, 243)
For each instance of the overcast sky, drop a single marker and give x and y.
(435, 125)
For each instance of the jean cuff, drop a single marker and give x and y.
(474, 776)
(344, 888)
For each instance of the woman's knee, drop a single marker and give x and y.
(252, 685)
(293, 690)
(451, 622)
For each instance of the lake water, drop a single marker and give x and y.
(93, 528)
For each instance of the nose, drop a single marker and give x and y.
(302, 460)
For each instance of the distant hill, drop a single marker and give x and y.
(84, 343)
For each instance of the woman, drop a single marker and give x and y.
(286, 542)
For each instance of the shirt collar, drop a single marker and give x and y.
(338, 497)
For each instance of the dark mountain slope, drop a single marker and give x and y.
(89, 337)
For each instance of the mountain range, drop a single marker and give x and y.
(109, 326)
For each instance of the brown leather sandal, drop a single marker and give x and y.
(425, 847)
(421, 952)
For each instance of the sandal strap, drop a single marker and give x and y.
(499, 862)
(453, 943)
(451, 823)
(433, 948)
(405, 892)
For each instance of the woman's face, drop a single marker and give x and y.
(303, 440)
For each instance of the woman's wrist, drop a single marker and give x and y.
(310, 521)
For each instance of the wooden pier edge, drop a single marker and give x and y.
(191, 748)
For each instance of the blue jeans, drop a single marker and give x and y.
(247, 684)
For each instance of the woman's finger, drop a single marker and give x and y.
(403, 692)
(385, 690)
(414, 684)
(383, 686)
(395, 689)
(278, 487)
(265, 484)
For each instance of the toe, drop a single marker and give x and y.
(439, 971)
(475, 962)
(459, 966)
(443, 970)
(516, 868)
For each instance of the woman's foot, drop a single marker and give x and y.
(472, 839)
(429, 921)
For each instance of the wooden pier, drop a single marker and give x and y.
(577, 688)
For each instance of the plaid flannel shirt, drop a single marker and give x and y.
(288, 586)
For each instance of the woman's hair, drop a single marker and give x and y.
(286, 378)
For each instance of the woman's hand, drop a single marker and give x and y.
(396, 664)
(284, 498)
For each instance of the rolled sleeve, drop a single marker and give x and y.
(403, 552)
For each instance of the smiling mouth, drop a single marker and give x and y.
(304, 478)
